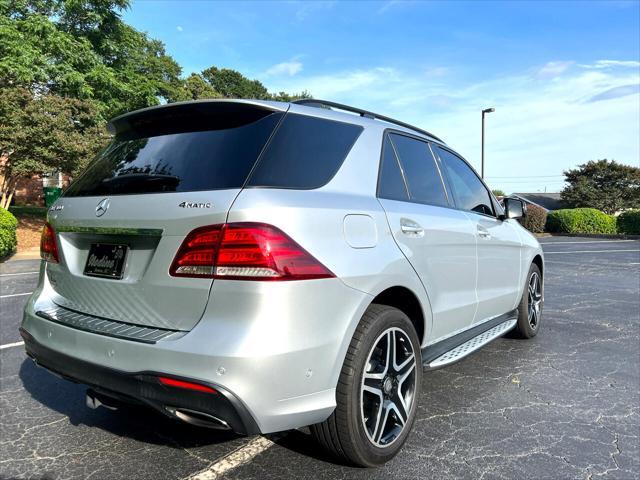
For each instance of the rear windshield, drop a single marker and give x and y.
(177, 162)
(304, 153)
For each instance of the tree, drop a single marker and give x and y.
(45, 133)
(603, 184)
(194, 87)
(232, 84)
(82, 49)
(498, 193)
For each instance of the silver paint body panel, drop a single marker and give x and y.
(281, 345)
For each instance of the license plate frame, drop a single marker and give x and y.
(106, 260)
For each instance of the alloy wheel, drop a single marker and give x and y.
(388, 387)
(535, 300)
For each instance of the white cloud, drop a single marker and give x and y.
(290, 68)
(179, 28)
(541, 126)
(601, 64)
(553, 69)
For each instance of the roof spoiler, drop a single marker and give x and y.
(193, 116)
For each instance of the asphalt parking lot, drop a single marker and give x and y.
(564, 405)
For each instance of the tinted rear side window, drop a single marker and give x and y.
(468, 191)
(391, 184)
(421, 172)
(305, 153)
(177, 162)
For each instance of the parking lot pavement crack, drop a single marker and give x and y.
(14, 441)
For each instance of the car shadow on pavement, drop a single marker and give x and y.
(137, 422)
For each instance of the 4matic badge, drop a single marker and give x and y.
(195, 205)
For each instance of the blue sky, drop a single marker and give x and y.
(564, 77)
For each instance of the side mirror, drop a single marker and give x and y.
(514, 208)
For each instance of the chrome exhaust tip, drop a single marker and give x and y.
(199, 419)
(93, 401)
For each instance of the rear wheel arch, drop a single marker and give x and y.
(407, 302)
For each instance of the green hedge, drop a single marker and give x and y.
(629, 222)
(535, 219)
(580, 220)
(8, 240)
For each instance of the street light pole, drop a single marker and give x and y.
(486, 110)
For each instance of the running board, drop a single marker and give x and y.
(458, 347)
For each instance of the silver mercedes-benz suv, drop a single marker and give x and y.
(261, 266)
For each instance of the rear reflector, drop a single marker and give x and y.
(48, 244)
(245, 251)
(172, 382)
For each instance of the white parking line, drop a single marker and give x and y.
(592, 251)
(16, 295)
(14, 274)
(587, 241)
(233, 460)
(9, 345)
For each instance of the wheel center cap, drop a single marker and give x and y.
(387, 386)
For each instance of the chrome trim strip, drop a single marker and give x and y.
(110, 328)
(151, 232)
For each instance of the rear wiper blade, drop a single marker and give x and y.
(144, 177)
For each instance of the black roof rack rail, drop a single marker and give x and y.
(311, 102)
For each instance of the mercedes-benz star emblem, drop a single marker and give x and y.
(102, 207)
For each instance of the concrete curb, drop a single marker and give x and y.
(30, 254)
(617, 236)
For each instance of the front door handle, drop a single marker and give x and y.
(409, 227)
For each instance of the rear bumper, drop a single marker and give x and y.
(144, 387)
(275, 350)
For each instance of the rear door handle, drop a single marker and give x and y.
(482, 233)
(409, 227)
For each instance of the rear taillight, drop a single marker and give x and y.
(245, 251)
(48, 244)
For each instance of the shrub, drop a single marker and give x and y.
(629, 222)
(8, 225)
(581, 220)
(535, 220)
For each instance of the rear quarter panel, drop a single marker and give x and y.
(316, 220)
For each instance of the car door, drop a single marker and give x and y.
(499, 246)
(439, 241)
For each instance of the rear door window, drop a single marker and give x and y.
(468, 191)
(420, 169)
(391, 183)
(305, 153)
(177, 162)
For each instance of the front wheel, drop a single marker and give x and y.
(377, 392)
(530, 308)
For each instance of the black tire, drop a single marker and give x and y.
(344, 434)
(529, 317)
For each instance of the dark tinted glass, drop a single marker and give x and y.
(178, 162)
(391, 185)
(421, 172)
(468, 191)
(305, 153)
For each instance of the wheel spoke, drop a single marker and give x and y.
(383, 417)
(372, 380)
(391, 351)
(398, 407)
(406, 367)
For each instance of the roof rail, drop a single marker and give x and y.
(313, 102)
